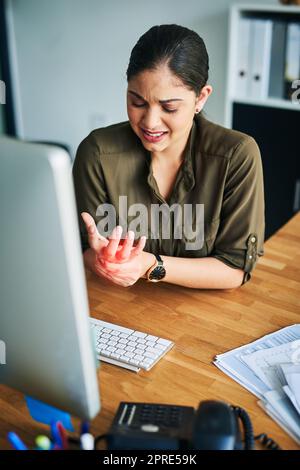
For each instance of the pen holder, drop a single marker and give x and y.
(47, 414)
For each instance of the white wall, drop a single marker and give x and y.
(72, 57)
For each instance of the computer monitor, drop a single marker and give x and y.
(44, 319)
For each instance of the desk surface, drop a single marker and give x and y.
(202, 323)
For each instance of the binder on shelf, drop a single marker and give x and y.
(242, 58)
(277, 66)
(292, 61)
(260, 59)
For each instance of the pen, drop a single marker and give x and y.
(56, 436)
(63, 435)
(16, 441)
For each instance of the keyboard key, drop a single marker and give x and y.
(115, 356)
(111, 349)
(134, 362)
(103, 340)
(138, 357)
(129, 348)
(105, 335)
(141, 341)
(132, 343)
(140, 352)
(120, 352)
(106, 330)
(106, 353)
(125, 358)
(165, 342)
(145, 365)
(160, 347)
(129, 354)
(112, 326)
(150, 343)
(122, 341)
(148, 360)
(153, 351)
(151, 355)
(151, 338)
(123, 335)
(139, 334)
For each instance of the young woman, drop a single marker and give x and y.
(169, 156)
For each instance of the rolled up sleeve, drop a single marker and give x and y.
(240, 238)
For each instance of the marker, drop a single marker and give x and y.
(63, 435)
(56, 436)
(87, 441)
(16, 441)
(85, 427)
(43, 443)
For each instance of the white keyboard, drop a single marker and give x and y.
(128, 348)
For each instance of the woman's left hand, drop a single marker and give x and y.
(125, 273)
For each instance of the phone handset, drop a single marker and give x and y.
(216, 427)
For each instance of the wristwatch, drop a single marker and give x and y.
(157, 272)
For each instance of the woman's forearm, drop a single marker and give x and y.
(199, 273)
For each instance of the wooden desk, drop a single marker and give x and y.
(202, 324)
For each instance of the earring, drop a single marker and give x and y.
(197, 111)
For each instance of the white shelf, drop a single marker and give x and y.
(237, 12)
(270, 102)
(290, 9)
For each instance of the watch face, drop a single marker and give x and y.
(158, 273)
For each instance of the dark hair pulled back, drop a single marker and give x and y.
(182, 49)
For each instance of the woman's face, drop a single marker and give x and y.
(161, 108)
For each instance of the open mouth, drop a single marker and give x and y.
(153, 136)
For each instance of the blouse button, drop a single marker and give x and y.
(250, 256)
(253, 240)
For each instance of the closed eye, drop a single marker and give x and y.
(167, 110)
(138, 105)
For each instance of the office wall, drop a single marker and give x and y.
(72, 57)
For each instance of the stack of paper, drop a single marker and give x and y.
(270, 368)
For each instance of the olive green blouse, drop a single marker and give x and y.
(221, 169)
